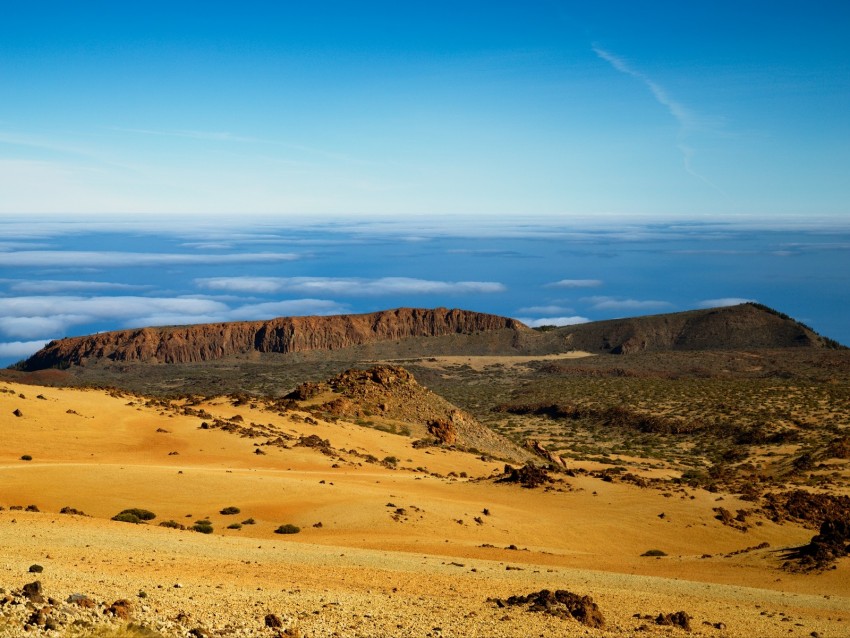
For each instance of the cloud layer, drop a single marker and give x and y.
(93, 259)
(575, 283)
(52, 316)
(348, 286)
(553, 321)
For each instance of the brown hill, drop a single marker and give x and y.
(388, 397)
(739, 327)
(197, 343)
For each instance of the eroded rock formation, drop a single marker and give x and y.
(204, 342)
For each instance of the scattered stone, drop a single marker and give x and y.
(676, 619)
(529, 475)
(560, 603)
(17, 412)
(36, 569)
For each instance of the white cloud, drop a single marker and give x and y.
(288, 308)
(723, 301)
(43, 316)
(575, 283)
(553, 321)
(33, 327)
(39, 316)
(89, 259)
(544, 310)
(613, 303)
(20, 349)
(348, 286)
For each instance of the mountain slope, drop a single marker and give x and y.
(744, 326)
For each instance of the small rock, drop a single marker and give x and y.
(36, 569)
(120, 609)
(81, 600)
(33, 592)
(273, 622)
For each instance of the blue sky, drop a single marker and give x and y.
(676, 109)
(557, 162)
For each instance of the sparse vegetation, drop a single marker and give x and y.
(26, 457)
(654, 552)
(204, 527)
(227, 511)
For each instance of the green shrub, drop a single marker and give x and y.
(142, 515)
(390, 460)
(289, 528)
(235, 526)
(248, 521)
(26, 457)
(230, 510)
(127, 517)
(172, 525)
(203, 527)
(654, 552)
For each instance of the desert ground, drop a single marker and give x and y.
(394, 540)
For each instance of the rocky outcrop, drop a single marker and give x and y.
(205, 342)
(391, 395)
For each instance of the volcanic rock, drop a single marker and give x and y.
(205, 342)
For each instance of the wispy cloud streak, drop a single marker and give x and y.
(683, 116)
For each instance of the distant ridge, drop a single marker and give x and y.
(741, 327)
(205, 342)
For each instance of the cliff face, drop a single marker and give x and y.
(204, 342)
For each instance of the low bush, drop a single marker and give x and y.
(235, 526)
(26, 457)
(289, 528)
(230, 510)
(172, 525)
(654, 552)
(142, 515)
(204, 527)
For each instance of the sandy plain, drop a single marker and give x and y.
(401, 551)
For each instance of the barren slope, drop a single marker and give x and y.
(403, 547)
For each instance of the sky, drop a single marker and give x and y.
(557, 162)
(662, 108)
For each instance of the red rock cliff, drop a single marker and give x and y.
(203, 342)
